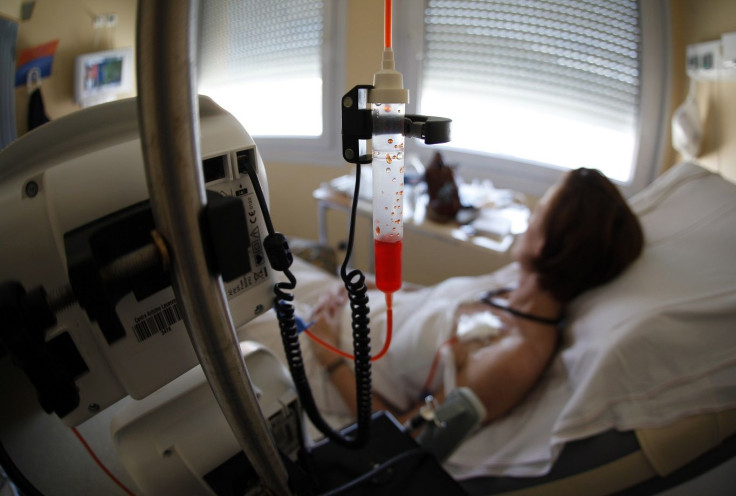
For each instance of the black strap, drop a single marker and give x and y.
(486, 298)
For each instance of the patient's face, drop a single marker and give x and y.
(530, 244)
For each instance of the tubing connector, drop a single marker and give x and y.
(388, 83)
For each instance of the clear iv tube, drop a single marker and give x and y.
(388, 193)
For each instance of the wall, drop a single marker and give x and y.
(70, 21)
(10, 9)
(695, 21)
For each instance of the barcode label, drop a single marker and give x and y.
(158, 321)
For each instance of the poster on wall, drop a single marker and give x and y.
(39, 57)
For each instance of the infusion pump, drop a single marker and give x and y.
(73, 195)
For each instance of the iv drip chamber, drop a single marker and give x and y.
(388, 193)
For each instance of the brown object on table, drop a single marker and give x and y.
(444, 197)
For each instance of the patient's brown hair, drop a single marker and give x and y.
(590, 235)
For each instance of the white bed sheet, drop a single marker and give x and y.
(656, 345)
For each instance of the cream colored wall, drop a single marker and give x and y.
(695, 21)
(69, 21)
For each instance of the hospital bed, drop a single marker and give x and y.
(647, 368)
(642, 395)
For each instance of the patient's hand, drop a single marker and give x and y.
(326, 326)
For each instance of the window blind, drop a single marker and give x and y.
(571, 60)
(260, 58)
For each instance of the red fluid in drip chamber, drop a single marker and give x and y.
(388, 265)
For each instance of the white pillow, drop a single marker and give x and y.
(659, 343)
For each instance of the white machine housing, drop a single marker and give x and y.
(177, 441)
(77, 169)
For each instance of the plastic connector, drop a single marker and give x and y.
(278, 252)
(388, 83)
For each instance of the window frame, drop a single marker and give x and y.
(324, 148)
(534, 178)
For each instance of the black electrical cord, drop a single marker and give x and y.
(280, 258)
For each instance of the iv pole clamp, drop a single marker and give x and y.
(357, 126)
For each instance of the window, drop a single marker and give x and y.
(536, 87)
(266, 63)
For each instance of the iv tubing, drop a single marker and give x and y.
(386, 344)
(387, 24)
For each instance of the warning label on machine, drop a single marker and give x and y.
(259, 272)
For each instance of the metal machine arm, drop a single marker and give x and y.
(166, 58)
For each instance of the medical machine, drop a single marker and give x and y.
(136, 240)
(90, 315)
(76, 191)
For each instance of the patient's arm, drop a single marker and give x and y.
(326, 326)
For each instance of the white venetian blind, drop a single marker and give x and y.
(262, 61)
(549, 81)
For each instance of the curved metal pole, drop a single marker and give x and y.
(169, 120)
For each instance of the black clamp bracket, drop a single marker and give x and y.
(357, 126)
(432, 130)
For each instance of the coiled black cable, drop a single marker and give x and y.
(280, 259)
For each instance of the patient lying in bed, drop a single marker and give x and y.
(581, 235)
(607, 372)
